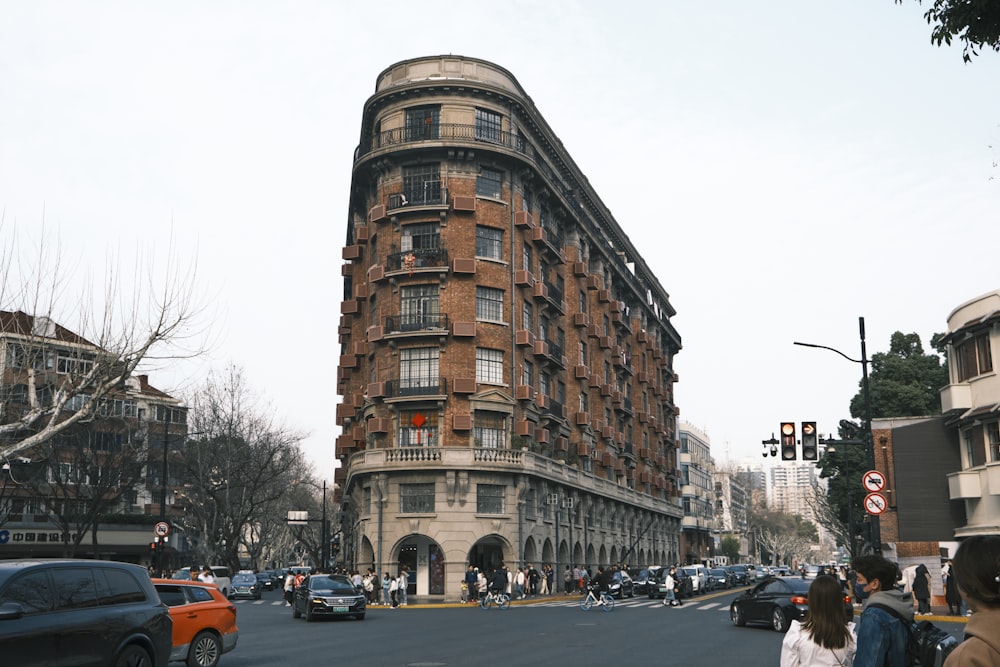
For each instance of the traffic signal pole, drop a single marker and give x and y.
(876, 532)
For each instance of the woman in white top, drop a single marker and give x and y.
(826, 637)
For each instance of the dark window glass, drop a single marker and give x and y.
(33, 591)
(74, 588)
(120, 588)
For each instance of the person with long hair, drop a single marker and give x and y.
(826, 637)
(976, 567)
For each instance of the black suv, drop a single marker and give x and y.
(81, 612)
(658, 575)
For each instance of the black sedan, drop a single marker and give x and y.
(621, 585)
(245, 585)
(776, 601)
(327, 595)
(721, 578)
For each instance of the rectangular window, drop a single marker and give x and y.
(423, 236)
(490, 429)
(968, 449)
(489, 183)
(422, 185)
(528, 374)
(489, 126)
(489, 366)
(418, 428)
(583, 401)
(418, 371)
(423, 123)
(993, 438)
(983, 353)
(489, 304)
(489, 242)
(419, 307)
(526, 257)
(583, 353)
(416, 498)
(489, 498)
(527, 311)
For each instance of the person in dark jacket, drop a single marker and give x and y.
(882, 636)
(498, 583)
(922, 590)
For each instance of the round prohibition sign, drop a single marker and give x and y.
(161, 529)
(875, 503)
(873, 481)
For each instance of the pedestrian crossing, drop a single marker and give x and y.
(634, 603)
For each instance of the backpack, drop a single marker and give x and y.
(928, 645)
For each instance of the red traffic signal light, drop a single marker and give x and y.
(810, 442)
(788, 452)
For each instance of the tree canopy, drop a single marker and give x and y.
(976, 23)
(903, 382)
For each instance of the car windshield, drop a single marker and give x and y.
(719, 573)
(244, 579)
(335, 584)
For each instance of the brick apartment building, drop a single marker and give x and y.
(506, 356)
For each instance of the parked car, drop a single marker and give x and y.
(621, 585)
(699, 578)
(219, 572)
(204, 621)
(656, 588)
(721, 578)
(103, 613)
(640, 577)
(740, 575)
(777, 601)
(245, 585)
(327, 595)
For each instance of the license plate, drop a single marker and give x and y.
(340, 610)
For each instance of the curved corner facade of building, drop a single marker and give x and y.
(506, 357)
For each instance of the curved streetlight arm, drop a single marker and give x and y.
(824, 347)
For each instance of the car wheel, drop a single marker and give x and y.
(309, 616)
(736, 614)
(206, 649)
(778, 620)
(295, 611)
(133, 656)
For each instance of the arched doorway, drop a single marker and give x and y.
(530, 552)
(488, 553)
(423, 559)
(366, 556)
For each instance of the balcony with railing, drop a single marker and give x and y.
(417, 260)
(415, 388)
(554, 409)
(415, 323)
(484, 459)
(443, 133)
(420, 195)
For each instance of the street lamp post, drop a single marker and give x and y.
(876, 533)
(161, 543)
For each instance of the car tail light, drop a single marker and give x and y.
(232, 609)
(800, 599)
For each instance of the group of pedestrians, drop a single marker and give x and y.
(518, 583)
(879, 638)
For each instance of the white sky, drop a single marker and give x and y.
(785, 167)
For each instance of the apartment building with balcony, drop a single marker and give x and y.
(697, 495)
(971, 405)
(108, 464)
(506, 365)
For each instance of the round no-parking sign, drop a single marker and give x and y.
(161, 529)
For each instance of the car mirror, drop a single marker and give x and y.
(10, 611)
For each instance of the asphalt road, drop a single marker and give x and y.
(553, 632)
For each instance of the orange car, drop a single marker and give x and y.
(204, 621)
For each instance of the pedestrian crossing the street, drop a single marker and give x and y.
(636, 603)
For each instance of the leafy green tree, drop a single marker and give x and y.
(730, 548)
(903, 382)
(974, 22)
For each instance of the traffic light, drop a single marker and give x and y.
(152, 548)
(788, 452)
(810, 442)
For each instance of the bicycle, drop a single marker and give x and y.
(605, 601)
(501, 600)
